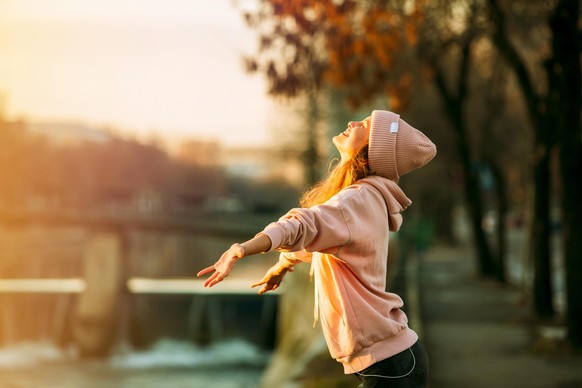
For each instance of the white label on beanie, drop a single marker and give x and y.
(394, 127)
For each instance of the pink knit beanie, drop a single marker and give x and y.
(395, 147)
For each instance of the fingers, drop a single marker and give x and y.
(221, 270)
(268, 287)
(215, 278)
(258, 283)
(264, 289)
(205, 271)
(263, 282)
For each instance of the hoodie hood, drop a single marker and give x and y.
(395, 199)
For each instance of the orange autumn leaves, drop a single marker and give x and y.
(354, 46)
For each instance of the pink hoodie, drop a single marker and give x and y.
(346, 241)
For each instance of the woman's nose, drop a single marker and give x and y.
(352, 124)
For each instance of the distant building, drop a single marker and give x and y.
(150, 201)
(65, 133)
(262, 163)
(256, 163)
(200, 153)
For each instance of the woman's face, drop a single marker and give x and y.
(353, 139)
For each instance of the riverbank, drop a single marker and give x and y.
(168, 364)
(99, 375)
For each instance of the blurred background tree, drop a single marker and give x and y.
(289, 57)
(551, 88)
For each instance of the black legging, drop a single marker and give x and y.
(407, 369)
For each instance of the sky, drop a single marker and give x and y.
(169, 68)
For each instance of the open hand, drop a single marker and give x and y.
(223, 266)
(273, 278)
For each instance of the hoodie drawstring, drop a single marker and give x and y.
(316, 292)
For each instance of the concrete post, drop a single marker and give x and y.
(97, 308)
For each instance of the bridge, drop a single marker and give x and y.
(106, 283)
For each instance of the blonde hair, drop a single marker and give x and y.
(341, 176)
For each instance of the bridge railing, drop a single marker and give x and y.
(102, 290)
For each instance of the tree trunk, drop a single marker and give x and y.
(541, 232)
(566, 48)
(472, 190)
(474, 201)
(502, 206)
(571, 165)
(312, 173)
(538, 112)
(454, 106)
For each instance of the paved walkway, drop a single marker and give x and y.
(478, 334)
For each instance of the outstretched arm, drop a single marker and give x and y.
(221, 269)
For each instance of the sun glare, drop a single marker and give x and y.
(172, 68)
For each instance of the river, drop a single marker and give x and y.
(168, 364)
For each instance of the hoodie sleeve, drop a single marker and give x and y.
(289, 259)
(321, 228)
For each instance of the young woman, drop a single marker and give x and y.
(342, 229)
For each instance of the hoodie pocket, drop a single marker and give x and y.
(341, 340)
